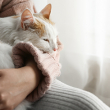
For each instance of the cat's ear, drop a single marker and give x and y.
(46, 11)
(26, 19)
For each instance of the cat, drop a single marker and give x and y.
(35, 28)
(27, 27)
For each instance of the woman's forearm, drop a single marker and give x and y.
(31, 74)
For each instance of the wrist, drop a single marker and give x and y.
(31, 75)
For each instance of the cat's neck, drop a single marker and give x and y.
(8, 27)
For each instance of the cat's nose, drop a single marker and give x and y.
(54, 49)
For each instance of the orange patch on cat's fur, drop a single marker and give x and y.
(43, 18)
(15, 16)
(39, 27)
(47, 20)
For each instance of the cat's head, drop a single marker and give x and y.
(42, 30)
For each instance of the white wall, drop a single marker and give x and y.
(40, 4)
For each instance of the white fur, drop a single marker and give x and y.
(5, 56)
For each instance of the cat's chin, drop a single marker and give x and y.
(47, 51)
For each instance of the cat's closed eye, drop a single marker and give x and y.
(46, 40)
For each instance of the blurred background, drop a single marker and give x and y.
(84, 30)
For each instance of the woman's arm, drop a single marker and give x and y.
(33, 72)
(16, 84)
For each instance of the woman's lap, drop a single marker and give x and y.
(63, 97)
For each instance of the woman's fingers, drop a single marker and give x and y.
(2, 106)
(7, 109)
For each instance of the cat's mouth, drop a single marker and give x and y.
(47, 51)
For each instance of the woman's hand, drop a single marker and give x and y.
(16, 84)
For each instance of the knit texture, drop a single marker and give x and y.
(14, 7)
(63, 97)
(47, 63)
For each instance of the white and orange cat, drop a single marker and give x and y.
(27, 27)
(35, 28)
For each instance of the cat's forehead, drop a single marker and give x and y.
(45, 26)
(43, 18)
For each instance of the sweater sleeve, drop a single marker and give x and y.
(47, 63)
(15, 7)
